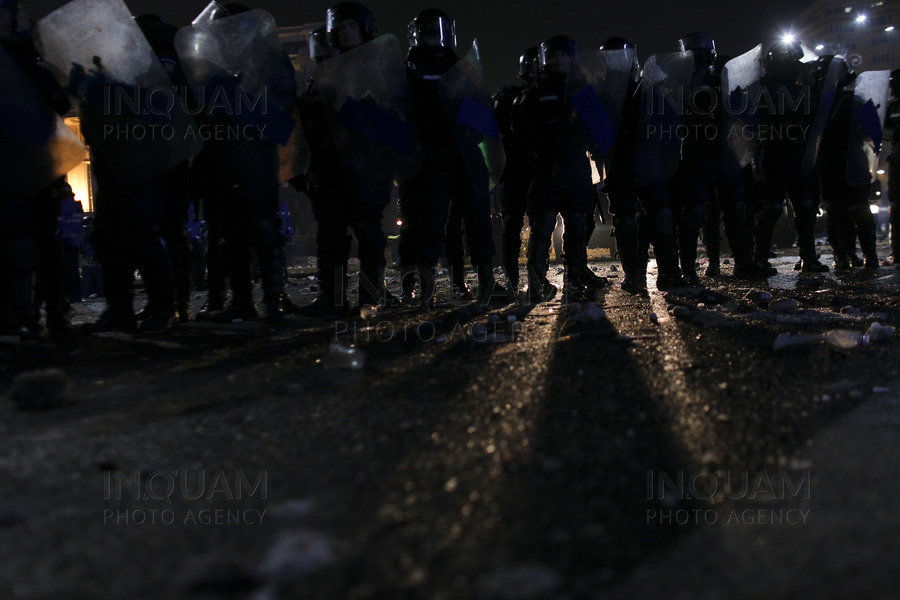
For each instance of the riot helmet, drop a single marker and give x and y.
(552, 52)
(432, 27)
(620, 43)
(616, 43)
(528, 63)
(784, 54)
(702, 45)
(319, 48)
(822, 65)
(161, 37)
(159, 34)
(349, 11)
(895, 83)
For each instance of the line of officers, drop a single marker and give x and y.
(442, 150)
(695, 182)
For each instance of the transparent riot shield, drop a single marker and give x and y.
(823, 112)
(596, 86)
(130, 113)
(238, 72)
(468, 104)
(366, 93)
(740, 90)
(213, 11)
(36, 147)
(870, 98)
(666, 82)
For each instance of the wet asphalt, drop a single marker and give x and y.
(549, 451)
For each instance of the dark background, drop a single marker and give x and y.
(504, 28)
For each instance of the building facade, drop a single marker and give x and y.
(864, 32)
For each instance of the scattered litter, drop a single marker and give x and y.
(879, 333)
(344, 357)
(837, 339)
(588, 312)
(368, 311)
(758, 296)
(40, 390)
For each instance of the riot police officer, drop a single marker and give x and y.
(516, 175)
(446, 175)
(629, 218)
(340, 198)
(561, 177)
(847, 213)
(240, 185)
(700, 162)
(785, 130)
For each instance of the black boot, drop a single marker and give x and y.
(489, 292)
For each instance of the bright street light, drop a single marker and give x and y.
(861, 19)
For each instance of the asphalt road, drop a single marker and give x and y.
(566, 454)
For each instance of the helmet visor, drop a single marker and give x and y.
(432, 31)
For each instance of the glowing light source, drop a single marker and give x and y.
(861, 19)
(889, 28)
(788, 38)
(875, 209)
(820, 47)
(880, 171)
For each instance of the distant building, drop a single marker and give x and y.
(864, 32)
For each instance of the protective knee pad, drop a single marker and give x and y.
(695, 217)
(665, 221)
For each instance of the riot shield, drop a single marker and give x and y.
(823, 112)
(870, 97)
(130, 113)
(238, 72)
(468, 104)
(36, 147)
(366, 93)
(809, 55)
(740, 89)
(596, 86)
(213, 11)
(667, 79)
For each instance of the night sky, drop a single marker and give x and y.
(504, 28)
